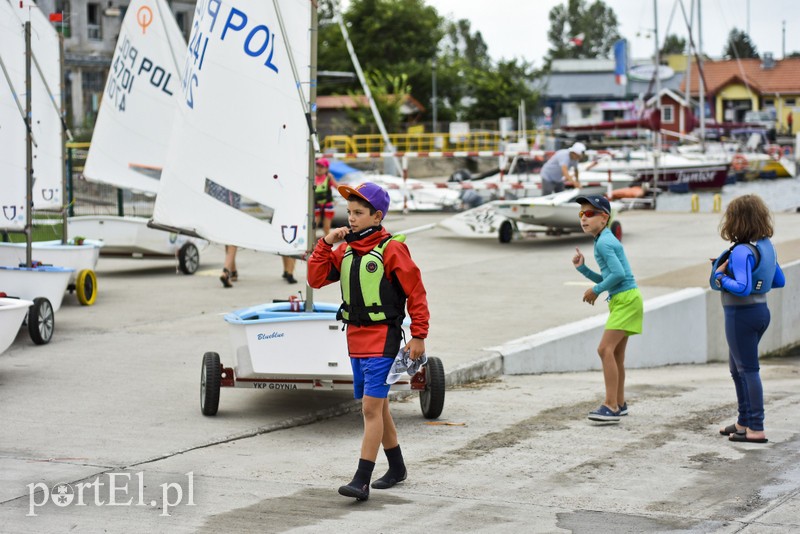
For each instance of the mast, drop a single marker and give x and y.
(700, 78)
(62, 114)
(28, 150)
(657, 153)
(312, 110)
(364, 85)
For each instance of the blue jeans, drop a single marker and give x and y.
(744, 326)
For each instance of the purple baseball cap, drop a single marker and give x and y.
(372, 193)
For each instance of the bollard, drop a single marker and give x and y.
(695, 203)
(717, 203)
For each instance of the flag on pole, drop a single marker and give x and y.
(621, 61)
(56, 17)
(578, 39)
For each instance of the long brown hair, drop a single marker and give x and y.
(746, 219)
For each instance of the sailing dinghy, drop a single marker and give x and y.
(132, 131)
(237, 172)
(43, 286)
(47, 147)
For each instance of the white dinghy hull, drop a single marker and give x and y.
(12, 312)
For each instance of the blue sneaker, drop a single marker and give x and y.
(604, 413)
(623, 410)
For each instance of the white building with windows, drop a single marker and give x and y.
(90, 30)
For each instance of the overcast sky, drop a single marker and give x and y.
(518, 28)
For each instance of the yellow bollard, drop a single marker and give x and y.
(717, 203)
(695, 203)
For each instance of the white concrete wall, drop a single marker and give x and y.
(687, 326)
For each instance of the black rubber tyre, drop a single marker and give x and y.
(86, 287)
(431, 400)
(41, 321)
(506, 232)
(210, 380)
(616, 229)
(188, 258)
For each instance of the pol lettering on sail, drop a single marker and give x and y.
(241, 127)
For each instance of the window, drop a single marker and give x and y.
(586, 112)
(769, 103)
(666, 114)
(613, 114)
(93, 27)
(790, 101)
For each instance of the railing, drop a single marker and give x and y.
(427, 142)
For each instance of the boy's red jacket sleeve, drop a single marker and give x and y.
(324, 265)
(397, 261)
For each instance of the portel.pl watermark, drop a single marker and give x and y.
(118, 489)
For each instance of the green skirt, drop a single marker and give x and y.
(626, 312)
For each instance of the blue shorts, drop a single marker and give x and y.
(369, 376)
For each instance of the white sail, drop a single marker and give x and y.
(46, 91)
(240, 138)
(129, 142)
(12, 126)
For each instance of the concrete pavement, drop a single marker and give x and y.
(117, 392)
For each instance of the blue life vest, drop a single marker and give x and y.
(766, 262)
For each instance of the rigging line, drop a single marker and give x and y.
(16, 100)
(669, 22)
(736, 53)
(56, 106)
(306, 107)
(694, 50)
(169, 41)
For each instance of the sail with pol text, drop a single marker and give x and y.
(237, 165)
(133, 127)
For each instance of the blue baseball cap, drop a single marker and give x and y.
(598, 201)
(372, 193)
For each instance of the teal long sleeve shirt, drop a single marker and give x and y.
(615, 272)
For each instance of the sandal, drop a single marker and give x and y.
(730, 429)
(225, 278)
(234, 276)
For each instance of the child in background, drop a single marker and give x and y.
(744, 278)
(625, 302)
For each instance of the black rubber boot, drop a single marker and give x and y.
(397, 469)
(359, 486)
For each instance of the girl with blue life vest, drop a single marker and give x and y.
(626, 309)
(744, 274)
(324, 184)
(379, 281)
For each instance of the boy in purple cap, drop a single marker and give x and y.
(624, 302)
(379, 281)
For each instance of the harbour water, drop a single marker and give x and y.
(780, 194)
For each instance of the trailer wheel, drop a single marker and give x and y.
(210, 380)
(431, 399)
(616, 229)
(86, 287)
(506, 232)
(41, 321)
(188, 258)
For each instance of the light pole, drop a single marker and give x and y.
(433, 91)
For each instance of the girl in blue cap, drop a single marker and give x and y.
(624, 302)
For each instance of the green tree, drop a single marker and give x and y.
(739, 45)
(397, 42)
(498, 92)
(392, 36)
(389, 93)
(595, 23)
(673, 45)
